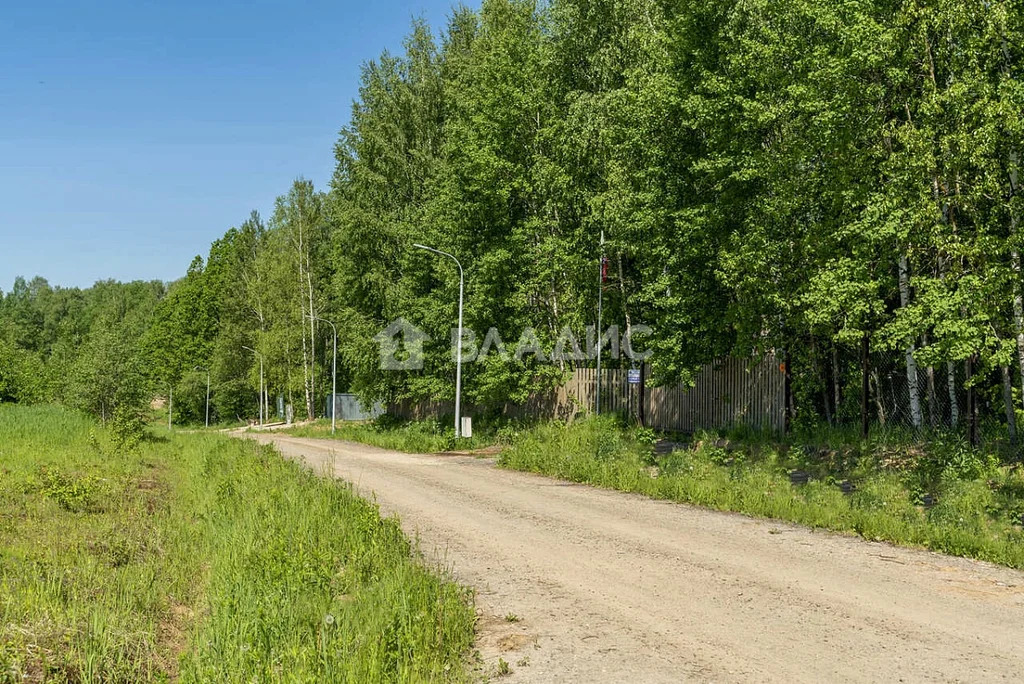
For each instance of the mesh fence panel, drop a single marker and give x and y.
(827, 387)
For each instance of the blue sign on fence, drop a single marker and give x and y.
(634, 376)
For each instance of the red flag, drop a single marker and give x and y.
(604, 269)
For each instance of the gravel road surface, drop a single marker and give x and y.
(612, 587)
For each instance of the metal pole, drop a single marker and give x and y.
(207, 392)
(865, 386)
(600, 304)
(458, 344)
(458, 363)
(170, 405)
(334, 383)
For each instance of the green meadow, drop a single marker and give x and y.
(197, 557)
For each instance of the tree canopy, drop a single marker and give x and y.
(796, 176)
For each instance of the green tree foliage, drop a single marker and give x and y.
(78, 346)
(792, 177)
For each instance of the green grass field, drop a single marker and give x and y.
(974, 505)
(201, 558)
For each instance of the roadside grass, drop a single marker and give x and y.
(414, 436)
(196, 557)
(941, 495)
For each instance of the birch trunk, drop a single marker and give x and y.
(954, 404)
(306, 343)
(625, 306)
(1018, 296)
(312, 337)
(912, 387)
(878, 397)
(930, 375)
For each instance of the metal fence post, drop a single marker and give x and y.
(865, 387)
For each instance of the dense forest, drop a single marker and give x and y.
(806, 177)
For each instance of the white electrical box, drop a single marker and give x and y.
(467, 427)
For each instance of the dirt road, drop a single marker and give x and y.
(611, 587)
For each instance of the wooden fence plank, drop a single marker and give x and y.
(730, 392)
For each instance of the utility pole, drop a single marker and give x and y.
(334, 374)
(458, 344)
(207, 392)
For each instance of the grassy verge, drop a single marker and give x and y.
(414, 437)
(944, 496)
(201, 558)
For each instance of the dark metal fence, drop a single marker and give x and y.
(960, 398)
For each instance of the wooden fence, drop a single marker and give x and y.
(728, 393)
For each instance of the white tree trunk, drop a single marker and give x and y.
(912, 388)
(1018, 308)
(306, 343)
(1018, 297)
(312, 336)
(954, 404)
(1018, 300)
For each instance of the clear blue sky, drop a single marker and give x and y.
(135, 132)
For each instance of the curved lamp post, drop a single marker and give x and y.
(458, 345)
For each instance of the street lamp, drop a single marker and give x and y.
(334, 372)
(207, 392)
(262, 397)
(458, 346)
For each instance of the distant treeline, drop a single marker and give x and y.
(794, 176)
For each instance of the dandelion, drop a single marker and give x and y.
(329, 620)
